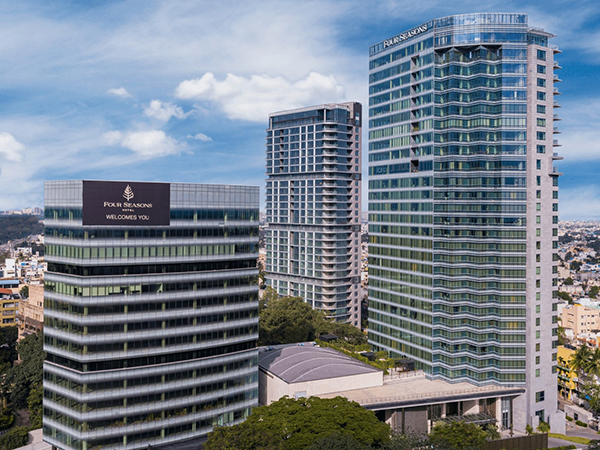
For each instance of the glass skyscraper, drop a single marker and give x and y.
(313, 207)
(463, 203)
(151, 312)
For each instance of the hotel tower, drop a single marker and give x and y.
(463, 204)
(313, 207)
(151, 312)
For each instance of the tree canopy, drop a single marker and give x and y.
(27, 376)
(286, 320)
(18, 227)
(289, 424)
(458, 436)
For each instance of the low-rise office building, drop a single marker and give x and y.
(406, 400)
(581, 319)
(30, 316)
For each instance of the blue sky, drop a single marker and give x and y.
(181, 90)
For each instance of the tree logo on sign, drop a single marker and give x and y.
(128, 193)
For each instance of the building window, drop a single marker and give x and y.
(541, 68)
(541, 149)
(541, 109)
(541, 55)
(538, 180)
(541, 95)
(541, 122)
(537, 372)
(537, 347)
(541, 82)
(537, 324)
(537, 359)
(541, 136)
(540, 397)
(538, 194)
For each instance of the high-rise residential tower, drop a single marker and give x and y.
(151, 312)
(463, 203)
(313, 207)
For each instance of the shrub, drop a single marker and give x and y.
(17, 437)
(580, 423)
(569, 418)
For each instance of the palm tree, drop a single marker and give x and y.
(593, 366)
(579, 361)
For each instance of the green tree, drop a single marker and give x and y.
(28, 375)
(591, 392)
(408, 441)
(568, 281)
(594, 290)
(529, 430)
(8, 347)
(543, 427)
(289, 424)
(15, 438)
(458, 436)
(491, 431)
(594, 444)
(345, 331)
(261, 276)
(576, 265)
(34, 404)
(565, 296)
(338, 442)
(24, 292)
(562, 337)
(286, 320)
(580, 359)
(593, 365)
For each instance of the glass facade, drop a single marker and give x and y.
(313, 207)
(454, 172)
(150, 331)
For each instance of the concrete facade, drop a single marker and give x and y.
(313, 192)
(464, 204)
(580, 319)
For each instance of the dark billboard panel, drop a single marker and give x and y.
(127, 203)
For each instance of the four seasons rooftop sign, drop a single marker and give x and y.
(126, 203)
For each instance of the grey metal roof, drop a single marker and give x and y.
(296, 364)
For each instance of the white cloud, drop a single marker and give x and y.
(200, 136)
(164, 111)
(112, 137)
(255, 97)
(580, 203)
(10, 147)
(151, 144)
(580, 135)
(119, 92)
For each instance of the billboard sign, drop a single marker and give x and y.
(126, 203)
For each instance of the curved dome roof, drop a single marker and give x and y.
(295, 364)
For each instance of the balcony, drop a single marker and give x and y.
(555, 91)
(555, 130)
(555, 143)
(555, 172)
(557, 65)
(556, 118)
(556, 157)
(556, 79)
(556, 105)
